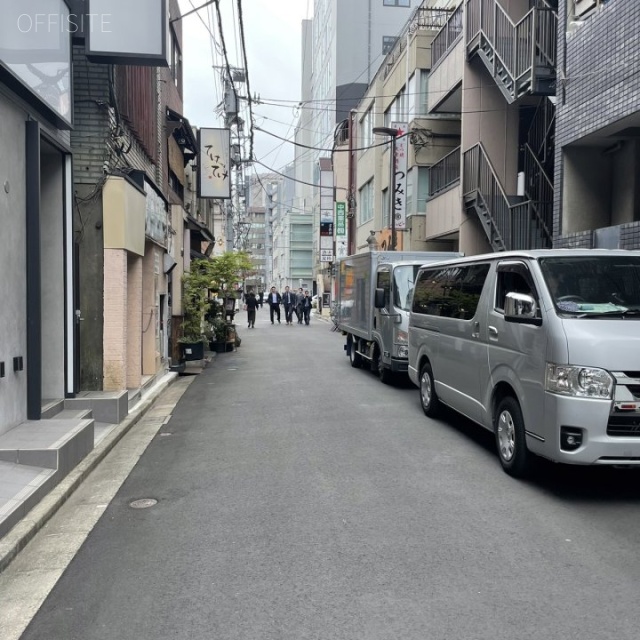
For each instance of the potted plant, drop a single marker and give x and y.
(218, 330)
(196, 283)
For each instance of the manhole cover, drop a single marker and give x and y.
(143, 503)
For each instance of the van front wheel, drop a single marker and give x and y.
(428, 396)
(514, 456)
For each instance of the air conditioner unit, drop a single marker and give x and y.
(582, 7)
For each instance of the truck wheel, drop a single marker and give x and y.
(354, 358)
(428, 396)
(514, 456)
(383, 373)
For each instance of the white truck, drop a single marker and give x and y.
(372, 304)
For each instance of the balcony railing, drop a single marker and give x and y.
(447, 36)
(444, 173)
(520, 55)
(423, 19)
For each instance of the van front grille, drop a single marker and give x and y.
(624, 426)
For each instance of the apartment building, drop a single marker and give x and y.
(597, 199)
(494, 63)
(395, 102)
(348, 42)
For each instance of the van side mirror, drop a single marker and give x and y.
(378, 301)
(521, 307)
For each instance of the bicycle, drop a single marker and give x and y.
(333, 315)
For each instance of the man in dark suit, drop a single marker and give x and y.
(274, 299)
(289, 302)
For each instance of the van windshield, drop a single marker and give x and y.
(404, 281)
(594, 286)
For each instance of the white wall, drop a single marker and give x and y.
(13, 339)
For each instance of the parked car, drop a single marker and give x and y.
(314, 302)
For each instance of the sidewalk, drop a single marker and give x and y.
(18, 537)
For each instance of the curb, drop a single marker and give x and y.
(22, 533)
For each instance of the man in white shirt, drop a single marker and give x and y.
(274, 301)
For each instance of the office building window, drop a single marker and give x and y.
(365, 202)
(396, 3)
(387, 44)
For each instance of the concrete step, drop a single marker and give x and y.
(107, 406)
(50, 408)
(34, 457)
(21, 488)
(58, 444)
(73, 414)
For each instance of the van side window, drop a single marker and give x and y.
(452, 292)
(384, 282)
(513, 278)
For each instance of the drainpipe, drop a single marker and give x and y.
(351, 213)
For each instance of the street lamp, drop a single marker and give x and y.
(392, 133)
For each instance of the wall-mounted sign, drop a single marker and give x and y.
(128, 32)
(156, 217)
(35, 55)
(326, 210)
(214, 163)
(341, 230)
(400, 196)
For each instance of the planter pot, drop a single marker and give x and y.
(192, 350)
(218, 347)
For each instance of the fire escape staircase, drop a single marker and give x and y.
(509, 222)
(521, 56)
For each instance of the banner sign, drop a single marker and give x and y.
(341, 230)
(326, 211)
(214, 161)
(400, 196)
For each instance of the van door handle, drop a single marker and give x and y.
(476, 330)
(493, 332)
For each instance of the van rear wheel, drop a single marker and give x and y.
(428, 396)
(515, 458)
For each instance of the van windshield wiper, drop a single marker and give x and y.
(618, 313)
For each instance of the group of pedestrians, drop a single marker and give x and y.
(294, 303)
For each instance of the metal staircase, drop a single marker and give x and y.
(509, 222)
(521, 56)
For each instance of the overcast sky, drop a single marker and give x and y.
(272, 33)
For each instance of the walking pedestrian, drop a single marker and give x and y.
(274, 301)
(251, 304)
(306, 307)
(298, 309)
(260, 297)
(289, 302)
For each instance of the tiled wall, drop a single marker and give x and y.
(598, 79)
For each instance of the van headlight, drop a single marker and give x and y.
(580, 382)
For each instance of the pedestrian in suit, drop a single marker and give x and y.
(251, 304)
(298, 309)
(306, 307)
(289, 303)
(260, 298)
(275, 300)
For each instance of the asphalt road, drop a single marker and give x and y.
(299, 498)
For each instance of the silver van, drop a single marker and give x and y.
(541, 347)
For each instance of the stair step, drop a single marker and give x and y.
(57, 444)
(107, 406)
(73, 414)
(21, 488)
